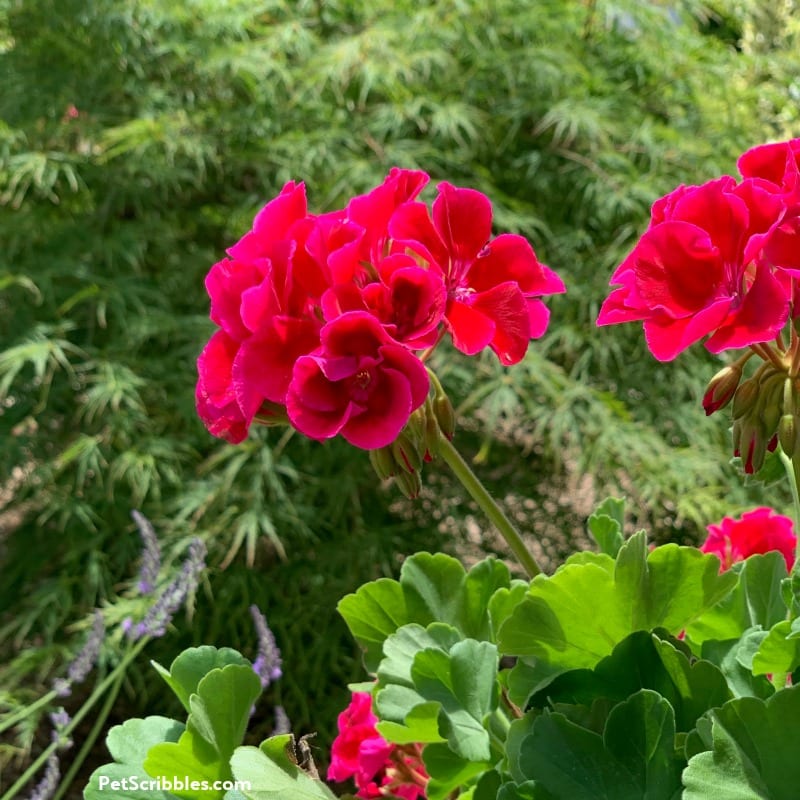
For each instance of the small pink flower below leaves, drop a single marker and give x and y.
(758, 531)
(379, 769)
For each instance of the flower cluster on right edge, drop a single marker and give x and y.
(721, 262)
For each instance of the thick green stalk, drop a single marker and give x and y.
(488, 505)
(792, 468)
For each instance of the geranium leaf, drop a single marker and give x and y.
(779, 652)
(128, 744)
(432, 588)
(448, 771)
(605, 525)
(754, 755)
(400, 648)
(219, 713)
(577, 616)
(374, 612)
(728, 656)
(420, 725)
(221, 708)
(271, 775)
(464, 683)
(644, 661)
(757, 599)
(189, 668)
(634, 757)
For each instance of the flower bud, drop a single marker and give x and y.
(445, 415)
(406, 452)
(753, 446)
(721, 388)
(383, 462)
(745, 397)
(432, 432)
(409, 483)
(770, 402)
(787, 434)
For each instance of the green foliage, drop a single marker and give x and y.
(604, 700)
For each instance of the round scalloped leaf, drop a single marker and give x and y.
(754, 753)
(577, 616)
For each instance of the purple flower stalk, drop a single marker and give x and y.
(151, 554)
(282, 724)
(173, 597)
(268, 659)
(48, 784)
(82, 664)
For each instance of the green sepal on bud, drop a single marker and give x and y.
(770, 401)
(432, 433)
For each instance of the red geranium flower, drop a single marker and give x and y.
(692, 273)
(758, 531)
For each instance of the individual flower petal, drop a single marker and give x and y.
(463, 220)
(272, 223)
(215, 396)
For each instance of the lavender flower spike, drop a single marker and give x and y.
(151, 554)
(268, 660)
(282, 724)
(82, 664)
(48, 784)
(185, 583)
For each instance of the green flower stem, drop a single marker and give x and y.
(10, 722)
(488, 505)
(75, 721)
(792, 468)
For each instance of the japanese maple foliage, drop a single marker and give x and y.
(325, 320)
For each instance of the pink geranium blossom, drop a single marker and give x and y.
(379, 769)
(757, 531)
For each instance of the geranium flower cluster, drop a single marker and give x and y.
(757, 531)
(325, 320)
(718, 260)
(379, 769)
(721, 261)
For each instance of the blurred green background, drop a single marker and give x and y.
(137, 140)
